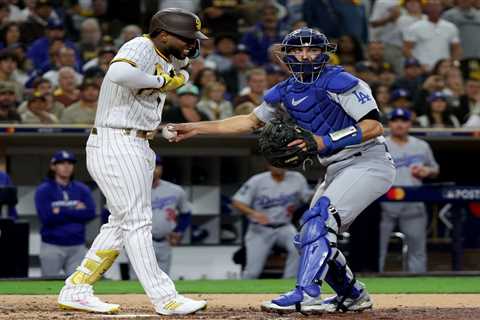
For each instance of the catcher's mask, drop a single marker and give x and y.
(306, 71)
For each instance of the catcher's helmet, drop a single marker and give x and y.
(178, 22)
(306, 71)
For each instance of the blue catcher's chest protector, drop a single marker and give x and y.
(310, 104)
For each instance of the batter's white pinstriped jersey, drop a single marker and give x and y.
(125, 108)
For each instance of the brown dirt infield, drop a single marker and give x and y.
(247, 306)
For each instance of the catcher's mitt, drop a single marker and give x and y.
(273, 144)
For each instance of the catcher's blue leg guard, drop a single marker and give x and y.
(318, 235)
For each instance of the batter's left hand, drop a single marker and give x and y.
(184, 130)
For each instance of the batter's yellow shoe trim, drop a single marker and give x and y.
(91, 308)
(92, 269)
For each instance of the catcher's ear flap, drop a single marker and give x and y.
(195, 51)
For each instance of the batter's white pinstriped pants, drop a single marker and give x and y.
(122, 166)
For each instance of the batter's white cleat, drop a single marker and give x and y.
(81, 298)
(181, 305)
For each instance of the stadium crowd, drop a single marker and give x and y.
(421, 55)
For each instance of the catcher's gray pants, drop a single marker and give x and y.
(412, 221)
(259, 242)
(354, 183)
(55, 260)
(163, 253)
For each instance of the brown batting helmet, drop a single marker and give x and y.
(178, 22)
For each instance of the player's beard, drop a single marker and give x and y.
(177, 52)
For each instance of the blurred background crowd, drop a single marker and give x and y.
(420, 55)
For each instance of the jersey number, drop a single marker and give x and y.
(362, 97)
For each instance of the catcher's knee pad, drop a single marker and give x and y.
(92, 268)
(317, 238)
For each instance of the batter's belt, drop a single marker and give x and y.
(142, 134)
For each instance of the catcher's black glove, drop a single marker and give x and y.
(273, 143)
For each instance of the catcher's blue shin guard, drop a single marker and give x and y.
(316, 239)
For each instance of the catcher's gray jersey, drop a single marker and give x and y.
(278, 200)
(168, 200)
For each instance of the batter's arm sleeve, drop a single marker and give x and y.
(43, 204)
(126, 75)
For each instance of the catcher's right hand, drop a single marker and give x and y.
(275, 139)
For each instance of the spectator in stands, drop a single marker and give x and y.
(225, 47)
(15, 12)
(221, 16)
(64, 206)
(381, 93)
(64, 57)
(236, 77)
(275, 74)
(385, 29)
(349, 50)
(412, 78)
(454, 88)
(414, 162)
(44, 88)
(323, 16)
(433, 83)
(433, 39)
(8, 98)
(6, 181)
(469, 110)
(37, 111)
(387, 76)
(269, 200)
(38, 52)
(438, 115)
(83, 111)
(265, 33)
(128, 33)
(8, 68)
(4, 13)
(244, 108)
(413, 13)
(365, 71)
(256, 86)
(90, 38)
(375, 55)
(204, 77)
(187, 110)
(442, 67)
(36, 22)
(467, 20)
(67, 91)
(213, 103)
(105, 55)
(10, 35)
(401, 98)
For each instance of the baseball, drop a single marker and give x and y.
(168, 132)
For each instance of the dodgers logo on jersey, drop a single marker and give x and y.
(362, 97)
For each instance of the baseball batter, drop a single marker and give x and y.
(414, 161)
(121, 161)
(343, 116)
(269, 200)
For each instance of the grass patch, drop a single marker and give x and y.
(374, 285)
